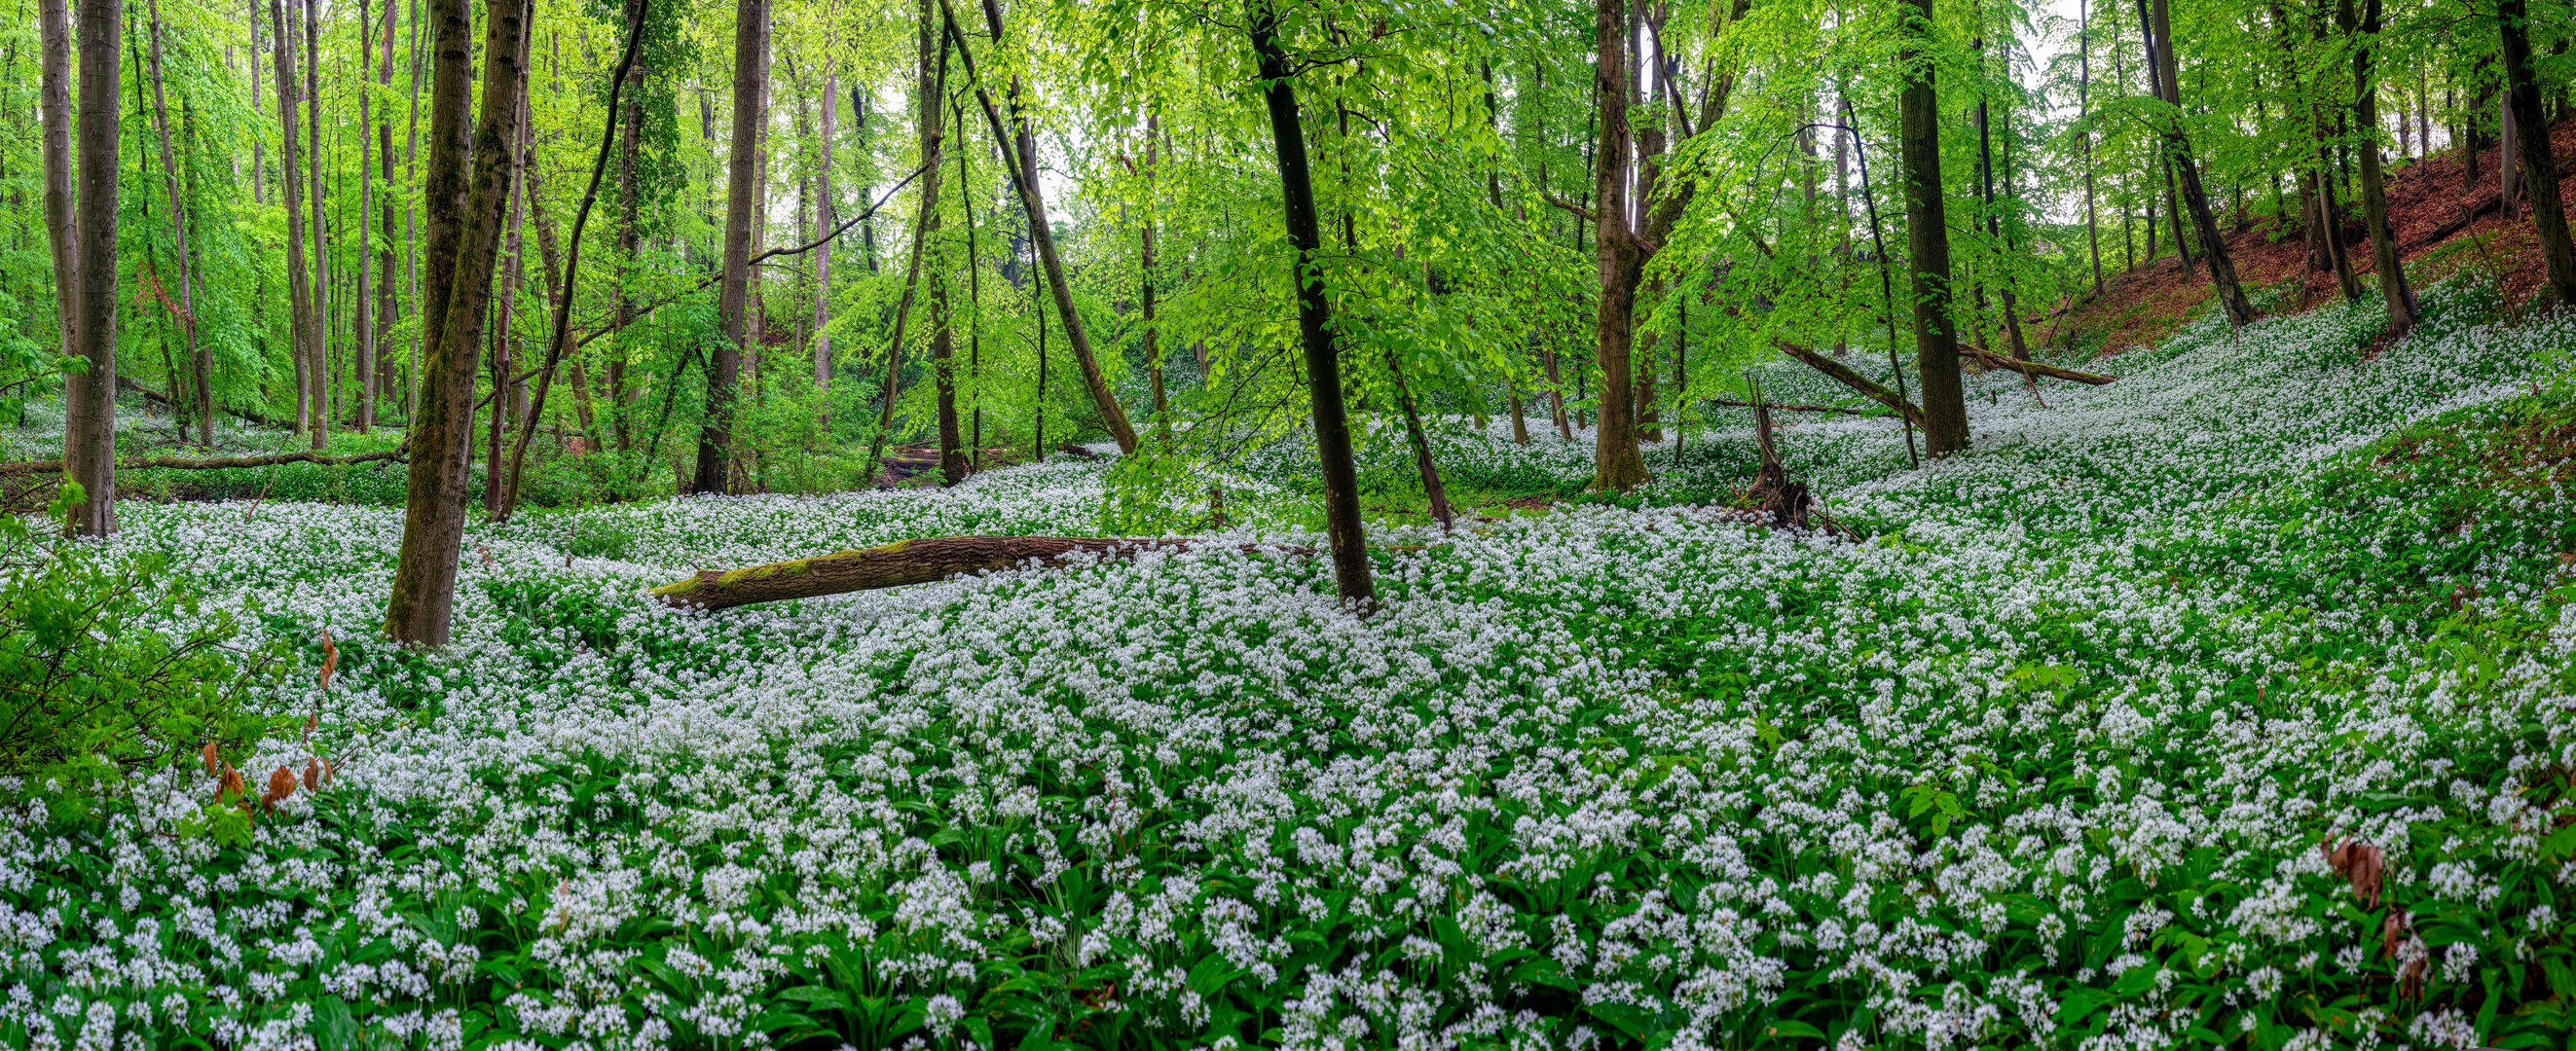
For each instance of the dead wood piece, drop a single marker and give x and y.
(128, 383)
(211, 463)
(2035, 368)
(1077, 451)
(906, 562)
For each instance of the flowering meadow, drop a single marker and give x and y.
(2227, 704)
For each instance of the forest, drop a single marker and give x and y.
(1637, 525)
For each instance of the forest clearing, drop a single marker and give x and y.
(800, 524)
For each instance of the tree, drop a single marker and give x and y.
(89, 414)
(1927, 234)
(2522, 97)
(715, 438)
(2374, 192)
(299, 288)
(464, 207)
(2165, 76)
(54, 108)
(1314, 315)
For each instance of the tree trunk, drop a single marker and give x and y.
(2548, 211)
(212, 463)
(823, 223)
(1351, 571)
(299, 286)
(2084, 127)
(1024, 179)
(363, 368)
(465, 209)
(931, 119)
(2213, 246)
(1617, 465)
(54, 107)
(318, 367)
(925, 219)
(199, 359)
(1945, 406)
(378, 384)
(715, 435)
(2393, 287)
(1145, 284)
(89, 427)
(508, 404)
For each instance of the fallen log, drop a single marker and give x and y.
(1852, 379)
(128, 383)
(2034, 368)
(1783, 406)
(905, 562)
(210, 463)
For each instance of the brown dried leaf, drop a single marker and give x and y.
(2393, 932)
(231, 785)
(313, 775)
(330, 659)
(214, 766)
(2364, 865)
(281, 784)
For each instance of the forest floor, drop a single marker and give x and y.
(2443, 224)
(2226, 704)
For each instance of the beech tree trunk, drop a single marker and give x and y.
(560, 286)
(2393, 287)
(823, 224)
(1342, 522)
(1145, 284)
(89, 428)
(1936, 343)
(363, 369)
(317, 369)
(299, 286)
(931, 119)
(2522, 94)
(1024, 180)
(380, 384)
(54, 109)
(200, 361)
(1617, 465)
(2195, 198)
(464, 238)
(715, 435)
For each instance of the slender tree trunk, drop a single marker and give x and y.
(1945, 407)
(2213, 245)
(1024, 178)
(290, 182)
(715, 436)
(318, 368)
(54, 107)
(974, 298)
(1145, 283)
(943, 334)
(2508, 143)
(2084, 127)
(89, 430)
(1314, 317)
(2548, 211)
(925, 219)
(560, 283)
(199, 360)
(509, 403)
(823, 224)
(258, 159)
(465, 210)
(2374, 193)
(381, 382)
(363, 370)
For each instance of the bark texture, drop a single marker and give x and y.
(2522, 93)
(1351, 572)
(1936, 343)
(464, 207)
(715, 435)
(89, 429)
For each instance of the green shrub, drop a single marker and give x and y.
(102, 665)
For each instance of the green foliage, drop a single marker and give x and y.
(92, 678)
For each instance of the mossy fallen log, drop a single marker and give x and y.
(903, 563)
(209, 463)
